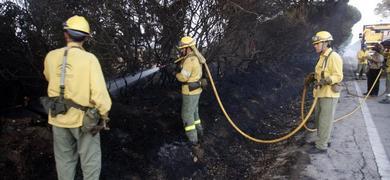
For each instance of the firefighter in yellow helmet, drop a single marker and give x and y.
(76, 81)
(190, 74)
(362, 57)
(386, 55)
(327, 76)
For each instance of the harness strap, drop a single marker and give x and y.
(324, 65)
(62, 82)
(63, 71)
(75, 105)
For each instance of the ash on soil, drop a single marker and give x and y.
(147, 140)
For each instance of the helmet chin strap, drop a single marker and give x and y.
(323, 47)
(185, 52)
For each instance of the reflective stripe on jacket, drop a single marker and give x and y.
(84, 83)
(333, 69)
(191, 72)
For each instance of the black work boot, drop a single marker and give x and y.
(198, 152)
(200, 136)
(385, 101)
(314, 150)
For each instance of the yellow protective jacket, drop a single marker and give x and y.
(388, 66)
(387, 57)
(191, 72)
(84, 83)
(333, 69)
(362, 57)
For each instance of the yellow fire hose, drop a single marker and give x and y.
(265, 141)
(342, 117)
(303, 117)
(353, 94)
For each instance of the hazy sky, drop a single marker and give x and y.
(366, 8)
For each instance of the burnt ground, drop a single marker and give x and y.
(147, 141)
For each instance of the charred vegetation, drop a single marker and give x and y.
(259, 52)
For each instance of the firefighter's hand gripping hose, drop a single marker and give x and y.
(265, 141)
(342, 117)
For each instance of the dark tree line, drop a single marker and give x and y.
(130, 35)
(383, 8)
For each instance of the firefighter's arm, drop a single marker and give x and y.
(379, 59)
(336, 63)
(99, 93)
(359, 56)
(367, 55)
(45, 68)
(185, 72)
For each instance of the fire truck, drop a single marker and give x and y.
(375, 33)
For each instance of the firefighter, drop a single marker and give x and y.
(386, 100)
(79, 74)
(190, 74)
(374, 64)
(327, 76)
(362, 56)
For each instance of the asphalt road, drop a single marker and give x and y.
(360, 146)
(381, 116)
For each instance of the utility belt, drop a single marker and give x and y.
(56, 105)
(202, 83)
(337, 87)
(92, 121)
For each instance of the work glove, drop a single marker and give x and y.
(102, 125)
(105, 119)
(178, 68)
(384, 66)
(310, 78)
(170, 68)
(323, 82)
(203, 83)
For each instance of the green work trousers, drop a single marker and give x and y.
(324, 116)
(69, 145)
(361, 70)
(190, 117)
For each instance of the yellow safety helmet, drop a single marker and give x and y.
(322, 36)
(186, 41)
(78, 24)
